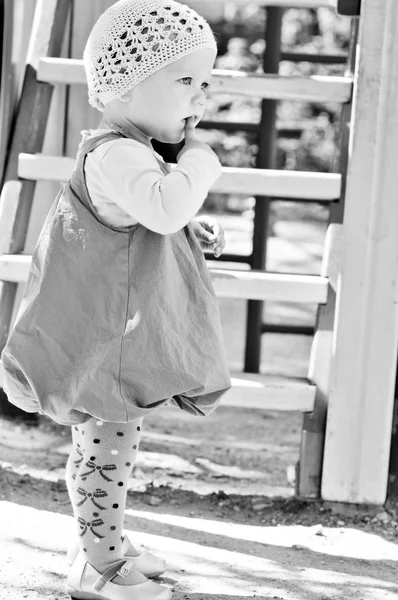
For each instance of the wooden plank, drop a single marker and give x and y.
(309, 476)
(260, 392)
(9, 202)
(14, 268)
(392, 492)
(9, 199)
(275, 87)
(365, 343)
(40, 167)
(284, 3)
(322, 187)
(17, 24)
(7, 96)
(258, 285)
(47, 34)
(279, 87)
(228, 283)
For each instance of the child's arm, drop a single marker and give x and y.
(163, 203)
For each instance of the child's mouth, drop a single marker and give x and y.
(195, 117)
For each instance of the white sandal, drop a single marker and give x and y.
(146, 563)
(85, 583)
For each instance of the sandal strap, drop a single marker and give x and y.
(126, 568)
(108, 575)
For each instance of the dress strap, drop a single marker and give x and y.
(93, 142)
(77, 182)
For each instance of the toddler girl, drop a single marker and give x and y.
(119, 315)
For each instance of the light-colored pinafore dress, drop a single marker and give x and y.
(115, 321)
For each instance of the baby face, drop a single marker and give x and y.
(160, 105)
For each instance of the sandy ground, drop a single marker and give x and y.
(224, 519)
(208, 558)
(214, 496)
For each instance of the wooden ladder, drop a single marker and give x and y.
(25, 166)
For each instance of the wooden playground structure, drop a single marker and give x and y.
(347, 400)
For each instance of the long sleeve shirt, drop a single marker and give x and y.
(127, 185)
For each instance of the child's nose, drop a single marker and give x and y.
(199, 97)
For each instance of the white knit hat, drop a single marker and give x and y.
(135, 38)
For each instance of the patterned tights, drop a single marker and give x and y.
(97, 474)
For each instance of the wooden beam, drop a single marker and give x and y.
(263, 393)
(283, 3)
(258, 285)
(62, 70)
(9, 200)
(46, 40)
(17, 25)
(40, 167)
(308, 482)
(321, 187)
(365, 339)
(7, 85)
(276, 87)
(315, 88)
(228, 283)
(14, 268)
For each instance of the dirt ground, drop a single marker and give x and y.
(214, 496)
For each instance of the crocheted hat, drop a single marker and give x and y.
(135, 38)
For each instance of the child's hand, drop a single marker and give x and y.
(191, 138)
(190, 131)
(210, 234)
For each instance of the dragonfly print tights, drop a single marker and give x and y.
(97, 474)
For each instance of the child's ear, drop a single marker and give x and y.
(127, 97)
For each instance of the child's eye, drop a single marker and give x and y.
(188, 81)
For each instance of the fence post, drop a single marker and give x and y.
(365, 341)
(309, 471)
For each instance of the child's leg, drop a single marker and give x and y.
(97, 476)
(72, 465)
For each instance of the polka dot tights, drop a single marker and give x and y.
(97, 475)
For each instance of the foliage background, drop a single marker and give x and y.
(240, 34)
